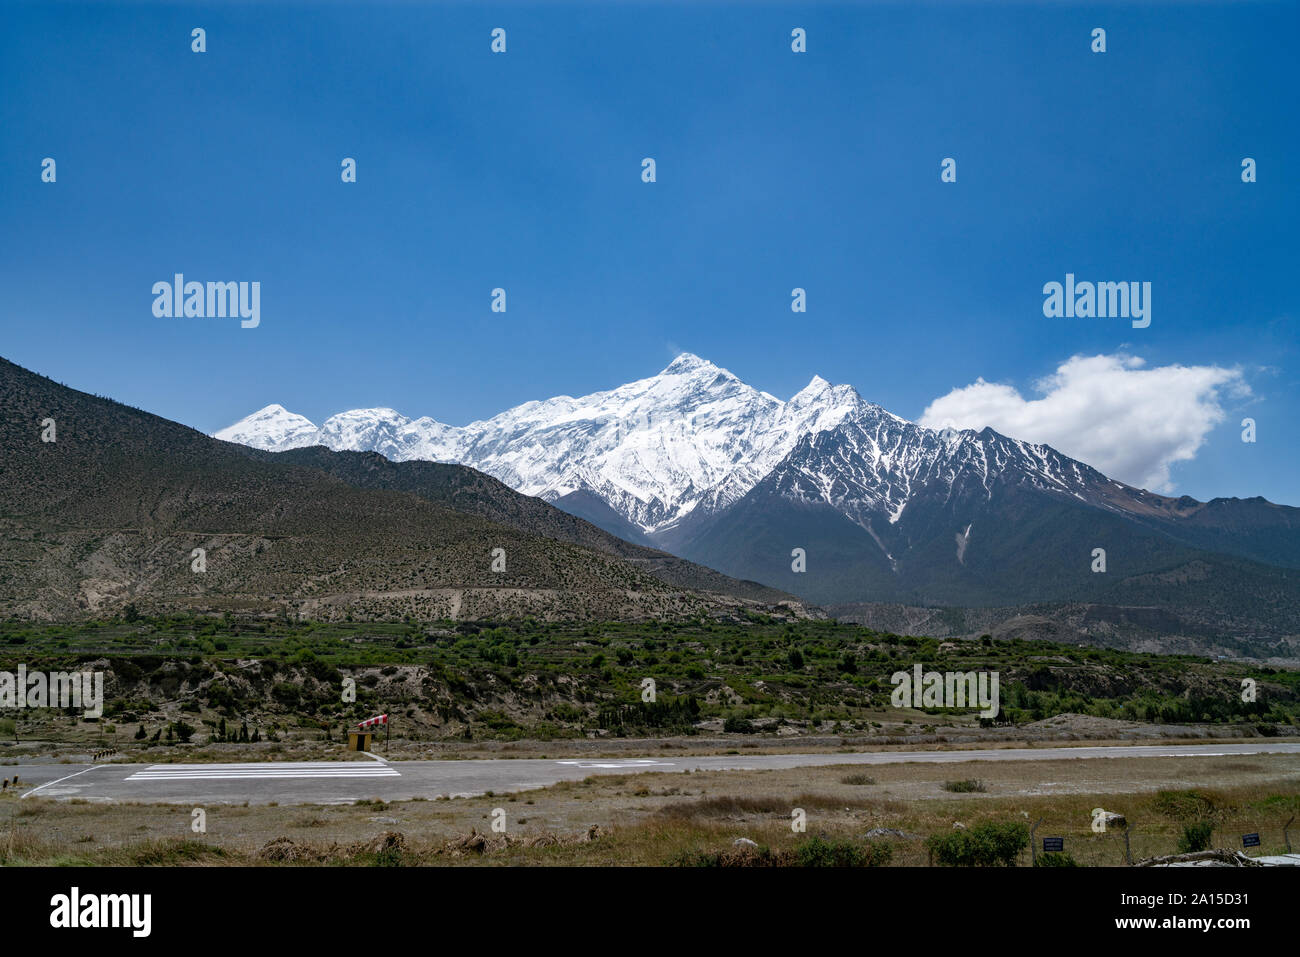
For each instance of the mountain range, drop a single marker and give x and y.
(105, 507)
(652, 451)
(697, 463)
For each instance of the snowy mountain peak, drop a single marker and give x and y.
(273, 427)
(655, 450)
(688, 364)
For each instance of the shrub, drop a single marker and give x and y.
(819, 852)
(286, 693)
(985, 845)
(968, 786)
(1055, 859)
(814, 852)
(1196, 837)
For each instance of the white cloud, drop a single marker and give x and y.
(1111, 412)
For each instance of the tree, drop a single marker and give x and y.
(795, 659)
(140, 733)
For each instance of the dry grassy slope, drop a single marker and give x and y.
(110, 512)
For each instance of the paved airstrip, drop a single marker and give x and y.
(370, 776)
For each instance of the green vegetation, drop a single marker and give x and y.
(1055, 859)
(984, 845)
(1196, 837)
(816, 851)
(526, 678)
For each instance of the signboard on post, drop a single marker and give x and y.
(1053, 845)
(1250, 840)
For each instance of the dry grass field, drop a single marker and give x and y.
(658, 819)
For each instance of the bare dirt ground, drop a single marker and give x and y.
(657, 819)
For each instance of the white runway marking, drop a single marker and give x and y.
(47, 784)
(627, 763)
(237, 772)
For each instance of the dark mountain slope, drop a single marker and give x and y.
(467, 490)
(889, 512)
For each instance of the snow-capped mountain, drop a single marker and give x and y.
(873, 464)
(698, 463)
(881, 509)
(274, 428)
(653, 450)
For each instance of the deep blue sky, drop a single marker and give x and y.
(522, 170)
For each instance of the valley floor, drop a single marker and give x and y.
(694, 816)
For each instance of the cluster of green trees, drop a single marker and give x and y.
(670, 714)
(223, 734)
(175, 731)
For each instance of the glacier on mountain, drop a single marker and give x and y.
(693, 436)
(687, 443)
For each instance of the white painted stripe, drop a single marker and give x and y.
(631, 763)
(263, 775)
(264, 764)
(262, 770)
(249, 777)
(254, 773)
(64, 778)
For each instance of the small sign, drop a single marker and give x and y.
(1053, 845)
(1250, 840)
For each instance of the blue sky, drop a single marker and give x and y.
(775, 170)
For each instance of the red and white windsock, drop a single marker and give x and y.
(371, 722)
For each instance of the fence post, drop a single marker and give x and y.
(1033, 843)
(1286, 835)
(1128, 850)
